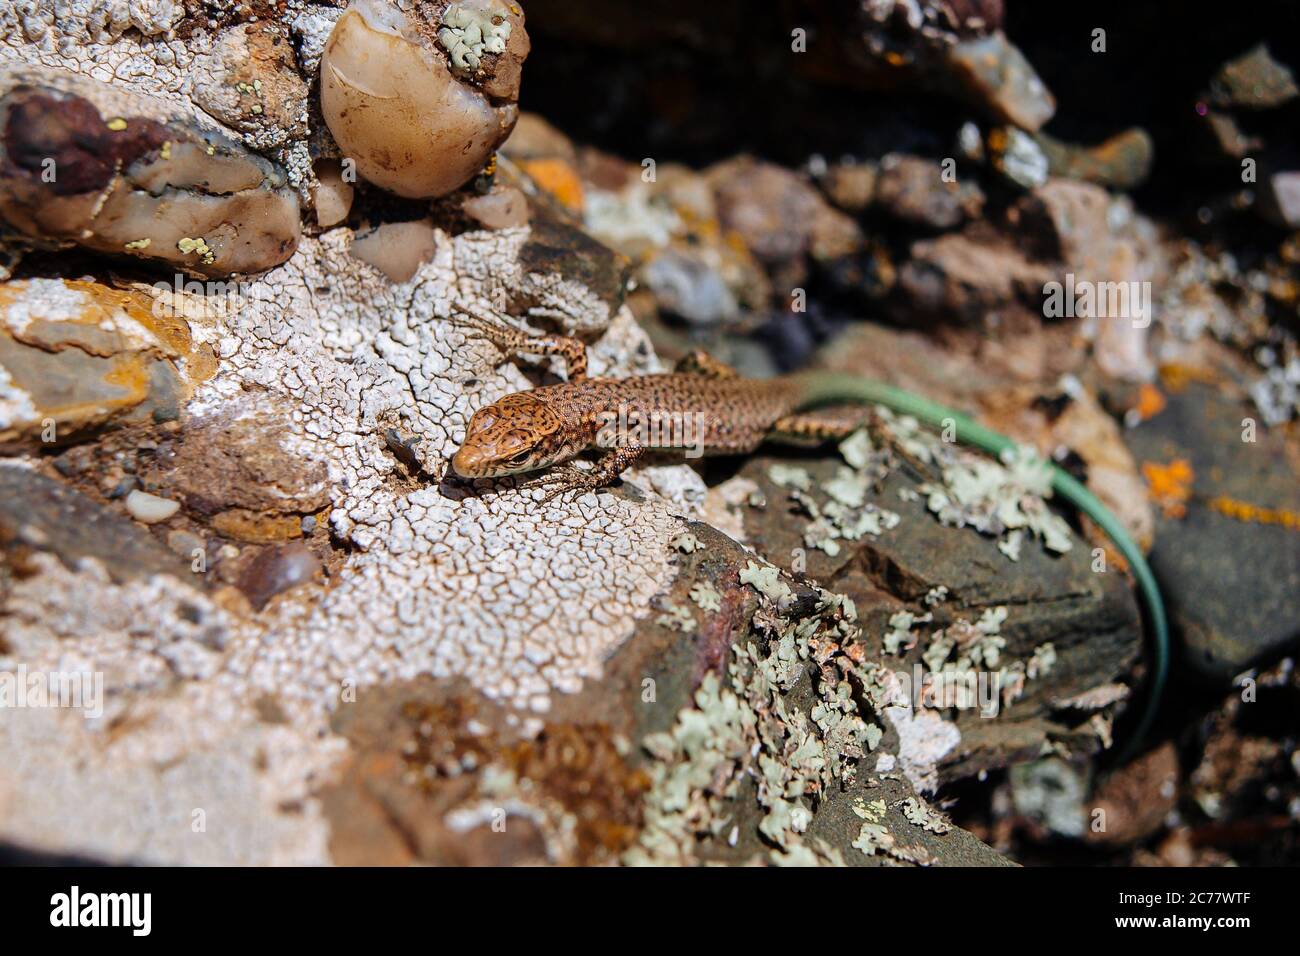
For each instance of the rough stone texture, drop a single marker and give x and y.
(333, 652)
(1233, 608)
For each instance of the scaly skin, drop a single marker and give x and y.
(731, 415)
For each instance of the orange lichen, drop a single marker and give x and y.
(1254, 514)
(1176, 378)
(557, 178)
(1151, 402)
(1169, 486)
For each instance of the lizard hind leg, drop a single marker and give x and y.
(809, 429)
(838, 422)
(515, 341)
(700, 362)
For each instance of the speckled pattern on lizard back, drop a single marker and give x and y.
(705, 407)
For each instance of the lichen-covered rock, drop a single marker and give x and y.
(418, 106)
(250, 82)
(84, 164)
(1231, 611)
(76, 354)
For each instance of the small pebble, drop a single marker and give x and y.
(150, 508)
(124, 487)
(277, 569)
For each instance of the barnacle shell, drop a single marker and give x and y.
(395, 107)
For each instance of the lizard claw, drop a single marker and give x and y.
(569, 478)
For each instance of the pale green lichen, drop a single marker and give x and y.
(197, 246)
(757, 728)
(676, 617)
(921, 814)
(858, 449)
(469, 34)
(686, 543)
(1042, 661)
(996, 500)
(767, 581)
(706, 596)
(900, 636)
(788, 476)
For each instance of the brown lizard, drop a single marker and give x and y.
(704, 407)
(552, 424)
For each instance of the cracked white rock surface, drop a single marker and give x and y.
(526, 601)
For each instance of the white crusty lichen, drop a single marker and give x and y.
(468, 33)
(524, 600)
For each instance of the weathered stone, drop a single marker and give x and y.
(49, 516)
(85, 164)
(1280, 198)
(76, 354)
(277, 569)
(249, 82)
(1232, 586)
(997, 77)
(916, 190)
(1254, 80)
(1121, 162)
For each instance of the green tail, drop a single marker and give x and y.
(826, 388)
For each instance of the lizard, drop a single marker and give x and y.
(550, 425)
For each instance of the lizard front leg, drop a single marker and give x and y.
(605, 472)
(514, 341)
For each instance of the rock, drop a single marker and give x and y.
(851, 186)
(505, 207)
(249, 82)
(150, 509)
(84, 164)
(1279, 199)
(1019, 157)
(1048, 596)
(966, 279)
(76, 354)
(44, 514)
(1121, 162)
(1135, 799)
(333, 196)
(780, 218)
(534, 138)
(995, 76)
(1051, 793)
(549, 158)
(397, 249)
(1228, 609)
(277, 569)
(595, 276)
(687, 287)
(915, 190)
(422, 103)
(1254, 81)
(242, 465)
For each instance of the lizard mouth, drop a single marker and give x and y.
(468, 463)
(474, 463)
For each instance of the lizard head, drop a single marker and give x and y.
(518, 433)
